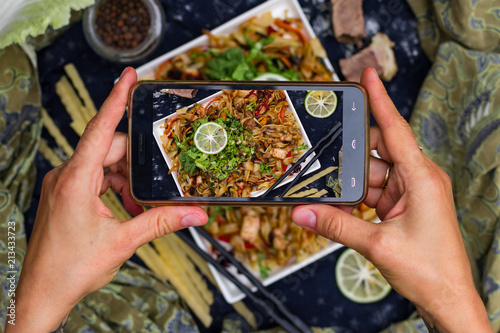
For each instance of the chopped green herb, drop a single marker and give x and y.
(220, 165)
(207, 53)
(304, 146)
(264, 270)
(187, 162)
(264, 168)
(251, 106)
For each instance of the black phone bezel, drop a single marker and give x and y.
(355, 152)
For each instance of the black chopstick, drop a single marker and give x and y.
(304, 169)
(302, 159)
(265, 306)
(260, 287)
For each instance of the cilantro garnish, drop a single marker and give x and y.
(219, 166)
(264, 270)
(304, 146)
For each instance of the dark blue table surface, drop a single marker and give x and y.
(311, 292)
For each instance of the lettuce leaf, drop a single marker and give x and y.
(20, 19)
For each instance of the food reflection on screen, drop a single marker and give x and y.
(239, 142)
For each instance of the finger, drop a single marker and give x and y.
(161, 221)
(396, 133)
(336, 225)
(118, 183)
(373, 196)
(376, 143)
(117, 150)
(94, 145)
(378, 171)
(119, 167)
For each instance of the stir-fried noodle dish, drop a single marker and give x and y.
(263, 237)
(259, 139)
(261, 45)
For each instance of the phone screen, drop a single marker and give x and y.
(237, 144)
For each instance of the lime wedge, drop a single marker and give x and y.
(270, 77)
(210, 138)
(358, 279)
(320, 103)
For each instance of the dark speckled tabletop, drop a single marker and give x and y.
(311, 292)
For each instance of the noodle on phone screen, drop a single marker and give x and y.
(261, 135)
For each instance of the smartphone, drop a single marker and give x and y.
(247, 143)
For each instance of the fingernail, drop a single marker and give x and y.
(192, 220)
(124, 72)
(305, 218)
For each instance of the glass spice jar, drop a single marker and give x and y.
(123, 30)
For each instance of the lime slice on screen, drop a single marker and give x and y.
(358, 279)
(210, 138)
(270, 77)
(320, 103)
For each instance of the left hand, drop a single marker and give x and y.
(77, 246)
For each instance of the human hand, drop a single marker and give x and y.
(418, 245)
(77, 246)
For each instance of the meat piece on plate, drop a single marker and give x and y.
(187, 93)
(279, 153)
(348, 21)
(250, 228)
(378, 55)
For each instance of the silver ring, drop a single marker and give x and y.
(387, 174)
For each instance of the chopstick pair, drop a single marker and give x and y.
(331, 136)
(269, 304)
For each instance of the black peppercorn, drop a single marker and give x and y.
(122, 24)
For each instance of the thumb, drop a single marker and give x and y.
(160, 221)
(337, 225)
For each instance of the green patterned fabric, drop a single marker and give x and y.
(136, 300)
(20, 129)
(457, 121)
(473, 24)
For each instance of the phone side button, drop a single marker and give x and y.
(353, 182)
(353, 144)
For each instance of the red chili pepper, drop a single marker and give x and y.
(289, 154)
(282, 115)
(270, 30)
(249, 245)
(224, 239)
(219, 219)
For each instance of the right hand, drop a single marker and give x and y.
(418, 245)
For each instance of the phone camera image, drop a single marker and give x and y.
(239, 143)
(243, 144)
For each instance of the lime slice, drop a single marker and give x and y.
(358, 279)
(270, 77)
(210, 138)
(320, 103)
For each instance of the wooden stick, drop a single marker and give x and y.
(303, 193)
(318, 194)
(89, 107)
(245, 312)
(49, 154)
(199, 308)
(310, 180)
(73, 104)
(197, 260)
